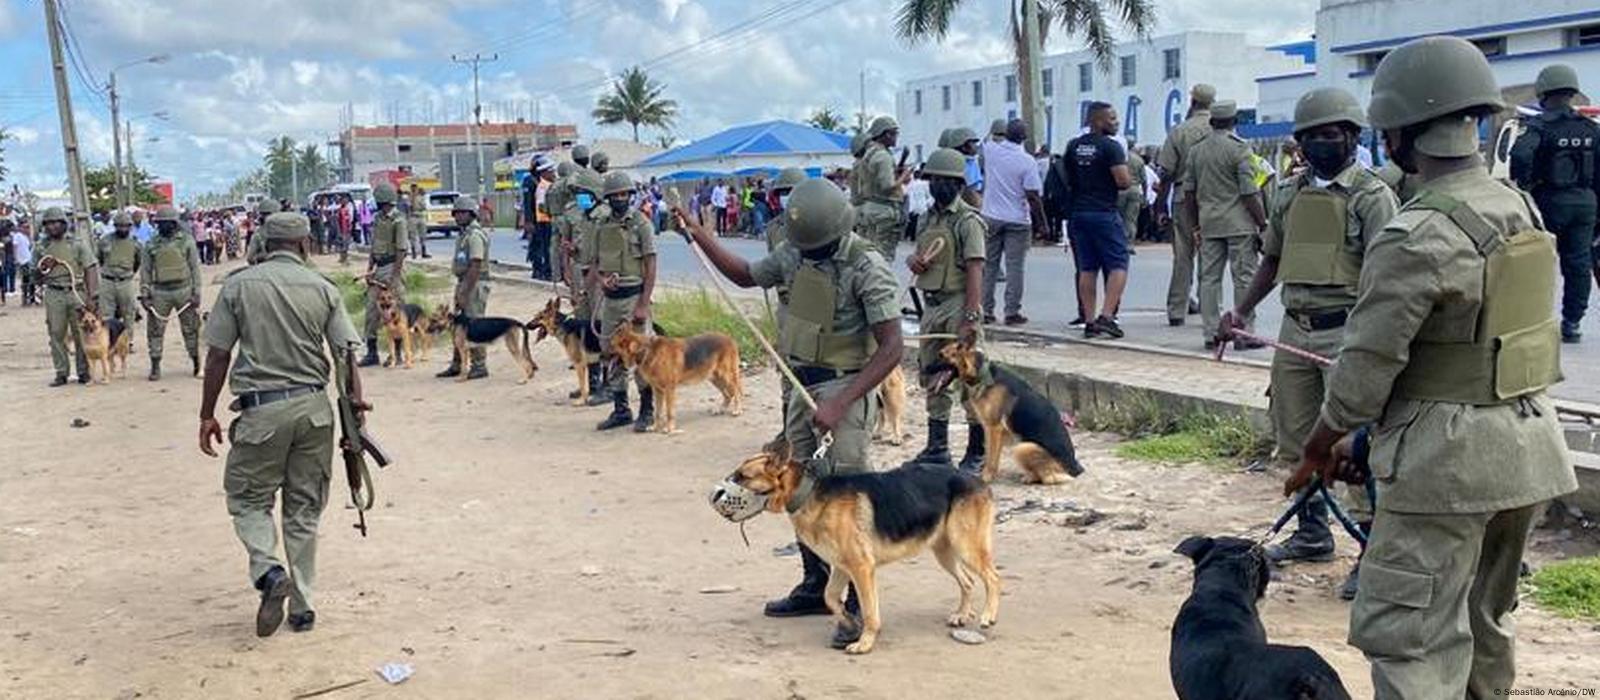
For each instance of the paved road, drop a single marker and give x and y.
(1048, 301)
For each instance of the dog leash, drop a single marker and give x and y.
(174, 312)
(53, 262)
(1318, 486)
(1306, 355)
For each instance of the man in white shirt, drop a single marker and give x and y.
(719, 204)
(22, 255)
(1014, 211)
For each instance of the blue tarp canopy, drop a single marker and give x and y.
(772, 138)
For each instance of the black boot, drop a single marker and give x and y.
(647, 410)
(60, 380)
(155, 369)
(594, 382)
(849, 631)
(480, 368)
(937, 452)
(194, 364)
(620, 413)
(598, 396)
(806, 598)
(1351, 585)
(1311, 541)
(454, 370)
(372, 354)
(972, 461)
(274, 586)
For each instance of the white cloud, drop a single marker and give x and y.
(24, 135)
(305, 72)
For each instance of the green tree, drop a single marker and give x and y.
(312, 167)
(665, 140)
(1091, 20)
(636, 99)
(826, 119)
(99, 183)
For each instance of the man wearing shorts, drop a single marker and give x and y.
(1097, 170)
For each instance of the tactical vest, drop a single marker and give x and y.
(1507, 347)
(808, 336)
(614, 252)
(869, 191)
(947, 272)
(1566, 153)
(168, 262)
(65, 251)
(120, 254)
(1315, 250)
(386, 234)
(463, 257)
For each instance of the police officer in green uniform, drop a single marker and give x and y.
(1449, 350)
(573, 234)
(1222, 196)
(841, 337)
(600, 163)
(417, 222)
(620, 258)
(169, 281)
(68, 278)
(119, 263)
(287, 321)
(555, 202)
(1555, 160)
(1173, 162)
(881, 213)
(385, 263)
(1320, 223)
(777, 234)
(257, 249)
(965, 141)
(948, 269)
(471, 295)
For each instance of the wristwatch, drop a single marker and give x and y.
(971, 316)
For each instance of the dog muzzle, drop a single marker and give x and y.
(735, 502)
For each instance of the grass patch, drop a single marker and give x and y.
(1570, 589)
(1198, 437)
(683, 314)
(421, 286)
(1137, 414)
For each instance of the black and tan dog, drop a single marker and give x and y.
(104, 343)
(892, 404)
(667, 363)
(1219, 647)
(1009, 408)
(859, 522)
(577, 337)
(477, 332)
(406, 326)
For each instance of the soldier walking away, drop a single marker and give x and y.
(287, 321)
(67, 269)
(169, 282)
(1555, 160)
(119, 263)
(948, 269)
(1320, 223)
(1172, 162)
(881, 214)
(471, 297)
(1449, 350)
(621, 262)
(1222, 195)
(385, 264)
(841, 339)
(257, 248)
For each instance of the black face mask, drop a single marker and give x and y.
(822, 253)
(945, 190)
(618, 206)
(1327, 158)
(123, 231)
(166, 228)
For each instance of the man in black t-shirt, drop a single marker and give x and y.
(1096, 171)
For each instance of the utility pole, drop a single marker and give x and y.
(69, 129)
(861, 116)
(1037, 128)
(477, 108)
(119, 195)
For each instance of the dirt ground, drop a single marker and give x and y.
(515, 553)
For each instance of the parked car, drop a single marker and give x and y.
(438, 215)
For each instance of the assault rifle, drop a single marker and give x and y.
(355, 444)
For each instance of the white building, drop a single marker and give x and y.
(1519, 38)
(1148, 84)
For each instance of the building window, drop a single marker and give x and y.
(1172, 69)
(944, 97)
(1491, 45)
(1370, 61)
(1587, 35)
(1085, 77)
(916, 100)
(1048, 80)
(404, 148)
(977, 93)
(919, 153)
(1130, 70)
(1011, 88)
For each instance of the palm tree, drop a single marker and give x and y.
(636, 99)
(666, 140)
(921, 20)
(826, 119)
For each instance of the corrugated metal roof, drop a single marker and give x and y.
(764, 138)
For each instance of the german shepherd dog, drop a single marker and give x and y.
(405, 324)
(892, 397)
(668, 363)
(859, 522)
(477, 332)
(1219, 648)
(577, 338)
(104, 342)
(1008, 407)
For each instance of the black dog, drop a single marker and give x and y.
(1219, 648)
(477, 332)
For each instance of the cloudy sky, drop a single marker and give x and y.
(242, 73)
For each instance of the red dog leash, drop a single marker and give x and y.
(1306, 355)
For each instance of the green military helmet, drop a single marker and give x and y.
(588, 181)
(565, 168)
(997, 127)
(617, 182)
(121, 218)
(858, 144)
(1556, 77)
(1329, 105)
(53, 214)
(268, 207)
(789, 178)
(600, 161)
(946, 162)
(944, 138)
(819, 214)
(465, 202)
(882, 125)
(165, 212)
(961, 135)
(580, 152)
(1429, 78)
(384, 193)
